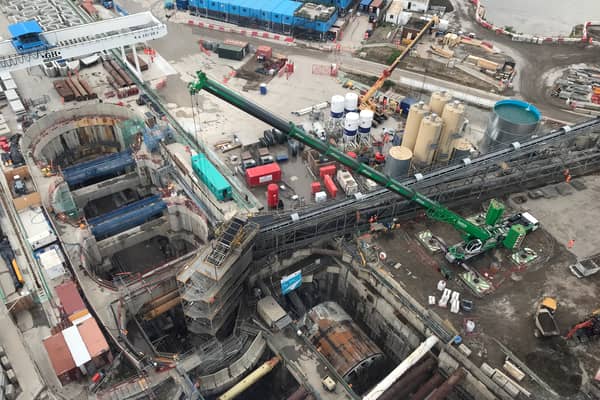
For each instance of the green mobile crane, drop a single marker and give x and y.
(476, 238)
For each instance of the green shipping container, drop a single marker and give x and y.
(494, 212)
(515, 236)
(231, 52)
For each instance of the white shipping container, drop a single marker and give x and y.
(347, 182)
(38, 230)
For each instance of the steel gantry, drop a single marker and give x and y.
(82, 40)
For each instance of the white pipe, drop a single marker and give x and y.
(404, 366)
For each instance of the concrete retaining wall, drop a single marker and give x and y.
(49, 128)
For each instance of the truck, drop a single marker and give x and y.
(545, 323)
(584, 268)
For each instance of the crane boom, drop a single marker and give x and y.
(364, 100)
(435, 210)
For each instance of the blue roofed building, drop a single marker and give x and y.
(281, 16)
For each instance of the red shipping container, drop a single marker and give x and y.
(262, 174)
(330, 186)
(315, 187)
(327, 170)
(264, 51)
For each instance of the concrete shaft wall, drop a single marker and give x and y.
(49, 128)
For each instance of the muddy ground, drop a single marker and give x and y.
(386, 55)
(507, 314)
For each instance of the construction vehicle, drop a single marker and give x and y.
(584, 268)
(477, 238)
(366, 101)
(545, 323)
(589, 327)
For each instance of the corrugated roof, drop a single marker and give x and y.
(287, 8)
(69, 297)
(76, 346)
(376, 3)
(92, 337)
(59, 354)
(24, 28)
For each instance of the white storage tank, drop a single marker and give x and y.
(365, 122)
(413, 122)
(351, 102)
(337, 106)
(351, 126)
(397, 162)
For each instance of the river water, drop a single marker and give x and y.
(541, 17)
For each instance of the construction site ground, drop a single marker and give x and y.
(428, 66)
(507, 314)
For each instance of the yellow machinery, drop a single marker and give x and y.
(366, 102)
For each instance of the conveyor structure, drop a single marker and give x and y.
(82, 40)
(127, 217)
(101, 167)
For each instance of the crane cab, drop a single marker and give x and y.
(25, 37)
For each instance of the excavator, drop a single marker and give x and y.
(494, 231)
(366, 100)
(587, 328)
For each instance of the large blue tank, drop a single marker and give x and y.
(510, 121)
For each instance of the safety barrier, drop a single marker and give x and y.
(240, 31)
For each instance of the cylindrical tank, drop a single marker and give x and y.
(413, 122)
(350, 351)
(462, 149)
(429, 134)
(514, 237)
(365, 122)
(510, 121)
(453, 117)
(272, 195)
(337, 106)
(263, 89)
(397, 161)
(351, 102)
(351, 126)
(494, 212)
(438, 101)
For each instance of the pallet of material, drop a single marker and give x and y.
(90, 93)
(122, 73)
(143, 64)
(78, 95)
(63, 90)
(113, 77)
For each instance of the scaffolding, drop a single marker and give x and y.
(212, 285)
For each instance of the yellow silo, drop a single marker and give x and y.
(438, 101)
(413, 122)
(429, 135)
(453, 117)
